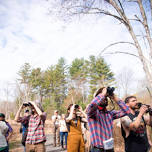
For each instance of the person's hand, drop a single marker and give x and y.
(78, 113)
(80, 109)
(32, 103)
(72, 107)
(22, 107)
(143, 109)
(7, 138)
(114, 97)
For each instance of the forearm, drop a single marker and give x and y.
(9, 136)
(84, 114)
(84, 120)
(69, 118)
(39, 112)
(92, 109)
(18, 114)
(123, 107)
(135, 125)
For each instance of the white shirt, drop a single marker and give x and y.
(62, 125)
(56, 119)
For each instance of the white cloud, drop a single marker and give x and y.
(29, 34)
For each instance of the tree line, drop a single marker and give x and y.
(61, 84)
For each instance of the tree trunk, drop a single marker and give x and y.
(140, 52)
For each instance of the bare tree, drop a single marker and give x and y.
(7, 92)
(125, 80)
(135, 15)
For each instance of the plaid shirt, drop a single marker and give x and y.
(36, 129)
(101, 122)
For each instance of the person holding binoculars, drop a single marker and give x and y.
(34, 137)
(75, 116)
(133, 126)
(100, 120)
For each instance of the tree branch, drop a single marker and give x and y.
(93, 10)
(121, 6)
(145, 24)
(151, 8)
(119, 52)
(138, 19)
(121, 42)
(137, 44)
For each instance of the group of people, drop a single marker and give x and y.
(99, 122)
(133, 122)
(79, 131)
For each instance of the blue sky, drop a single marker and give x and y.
(28, 33)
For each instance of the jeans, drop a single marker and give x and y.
(95, 149)
(62, 134)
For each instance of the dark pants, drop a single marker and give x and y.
(62, 135)
(5, 150)
(95, 149)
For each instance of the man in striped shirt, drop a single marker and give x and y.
(100, 121)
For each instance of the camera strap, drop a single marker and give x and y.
(112, 104)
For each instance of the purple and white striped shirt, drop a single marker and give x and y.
(101, 122)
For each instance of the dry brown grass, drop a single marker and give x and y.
(16, 137)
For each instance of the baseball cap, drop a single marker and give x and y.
(2, 115)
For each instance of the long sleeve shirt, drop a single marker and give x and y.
(3, 131)
(101, 122)
(36, 132)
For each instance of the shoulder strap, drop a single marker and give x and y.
(143, 120)
(123, 132)
(131, 116)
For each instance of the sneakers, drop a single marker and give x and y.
(62, 149)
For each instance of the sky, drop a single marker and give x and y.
(30, 33)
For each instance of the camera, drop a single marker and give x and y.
(110, 91)
(148, 106)
(76, 106)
